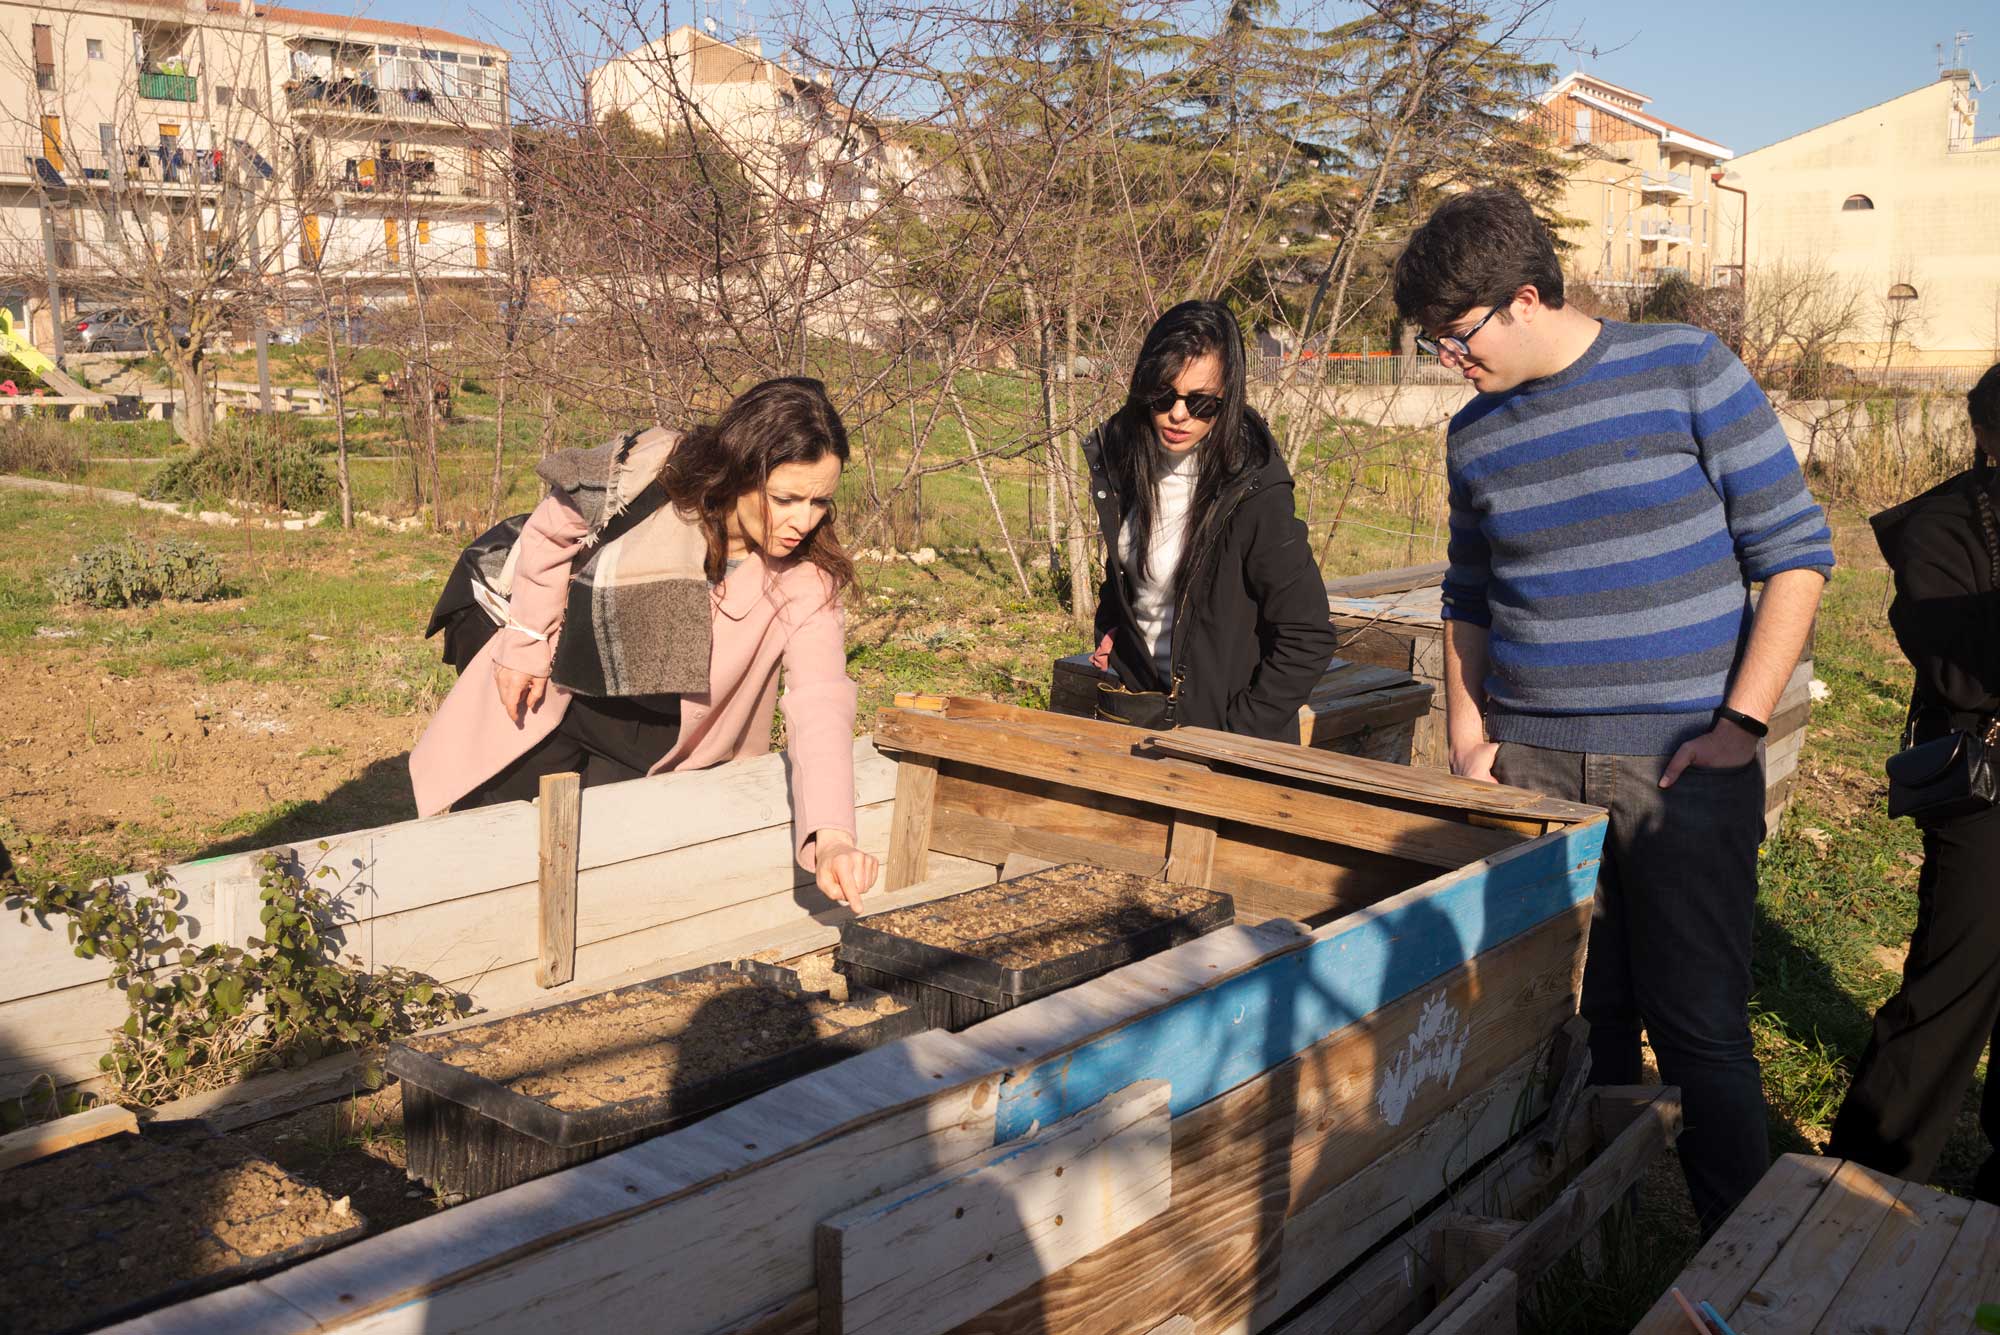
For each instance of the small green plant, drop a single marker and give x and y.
(129, 573)
(262, 464)
(203, 1017)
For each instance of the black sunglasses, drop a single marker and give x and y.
(1202, 407)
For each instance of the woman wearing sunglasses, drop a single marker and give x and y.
(1212, 613)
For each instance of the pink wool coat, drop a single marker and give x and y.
(765, 615)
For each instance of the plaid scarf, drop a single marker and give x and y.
(637, 616)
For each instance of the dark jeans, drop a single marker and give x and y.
(1928, 1037)
(1670, 947)
(604, 740)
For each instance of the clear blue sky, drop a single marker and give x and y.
(1743, 72)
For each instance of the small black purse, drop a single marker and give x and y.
(1948, 776)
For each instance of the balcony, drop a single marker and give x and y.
(359, 99)
(397, 178)
(1674, 234)
(146, 169)
(1669, 185)
(168, 86)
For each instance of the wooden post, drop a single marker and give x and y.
(910, 830)
(562, 803)
(1191, 849)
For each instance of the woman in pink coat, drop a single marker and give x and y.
(648, 606)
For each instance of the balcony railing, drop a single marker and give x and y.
(1665, 231)
(358, 98)
(400, 178)
(1667, 183)
(161, 86)
(138, 169)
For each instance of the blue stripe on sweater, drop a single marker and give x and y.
(1699, 636)
(1542, 449)
(1631, 500)
(1620, 575)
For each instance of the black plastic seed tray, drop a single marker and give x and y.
(953, 989)
(77, 1221)
(469, 1134)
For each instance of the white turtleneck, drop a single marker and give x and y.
(1153, 596)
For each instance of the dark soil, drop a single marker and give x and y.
(353, 1148)
(645, 1042)
(1043, 916)
(129, 1220)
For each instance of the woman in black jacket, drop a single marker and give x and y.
(1212, 613)
(1944, 547)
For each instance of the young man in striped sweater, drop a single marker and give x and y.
(1615, 491)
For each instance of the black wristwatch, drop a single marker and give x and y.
(1755, 727)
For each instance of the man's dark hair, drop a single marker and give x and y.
(1476, 249)
(1983, 399)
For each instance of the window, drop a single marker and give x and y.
(1901, 294)
(45, 57)
(93, 48)
(1583, 125)
(1856, 204)
(225, 96)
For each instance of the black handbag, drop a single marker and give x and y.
(1948, 776)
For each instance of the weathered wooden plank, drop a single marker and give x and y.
(1420, 838)
(1191, 850)
(1325, 1236)
(1888, 1283)
(273, 1095)
(1354, 966)
(1462, 1243)
(1372, 1085)
(916, 810)
(560, 808)
(1491, 1309)
(414, 864)
(1379, 582)
(46, 1138)
(942, 1250)
(1800, 1283)
(1576, 1211)
(1965, 1277)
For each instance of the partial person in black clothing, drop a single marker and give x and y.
(1212, 613)
(1944, 547)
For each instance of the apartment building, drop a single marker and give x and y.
(1901, 202)
(283, 145)
(1640, 196)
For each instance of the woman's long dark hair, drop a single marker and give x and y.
(1234, 443)
(785, 421)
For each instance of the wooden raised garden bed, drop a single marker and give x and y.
(970, 956)
(119, 1226)
(1206, 1138)
(491, 1105)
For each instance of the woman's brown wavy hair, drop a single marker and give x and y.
(785, 421)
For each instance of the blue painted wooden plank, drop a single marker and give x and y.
(1214, 1039)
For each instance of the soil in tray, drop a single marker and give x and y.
(128, 1222)
(645, 1043)
(1043, 916)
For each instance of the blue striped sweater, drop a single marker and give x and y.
(1606, 523)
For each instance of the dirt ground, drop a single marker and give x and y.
(158, 765)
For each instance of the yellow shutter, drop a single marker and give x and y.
(479, 252)
(52, 141)
(423, 231)
(389, 240)
(314, 252)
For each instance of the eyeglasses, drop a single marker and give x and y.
(1202, 407)
(1455, 344)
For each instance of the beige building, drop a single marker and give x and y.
(1640, 194)
(246, 138)
(1901, 201)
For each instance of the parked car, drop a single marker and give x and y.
(118, 331)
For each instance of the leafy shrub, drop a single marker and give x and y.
(203, 1017)
(41, 445)
(129, 573)
(263, 466)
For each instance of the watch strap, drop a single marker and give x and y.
(1755, 727)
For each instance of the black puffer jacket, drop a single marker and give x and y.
(1251, 635)
(1946, 614)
